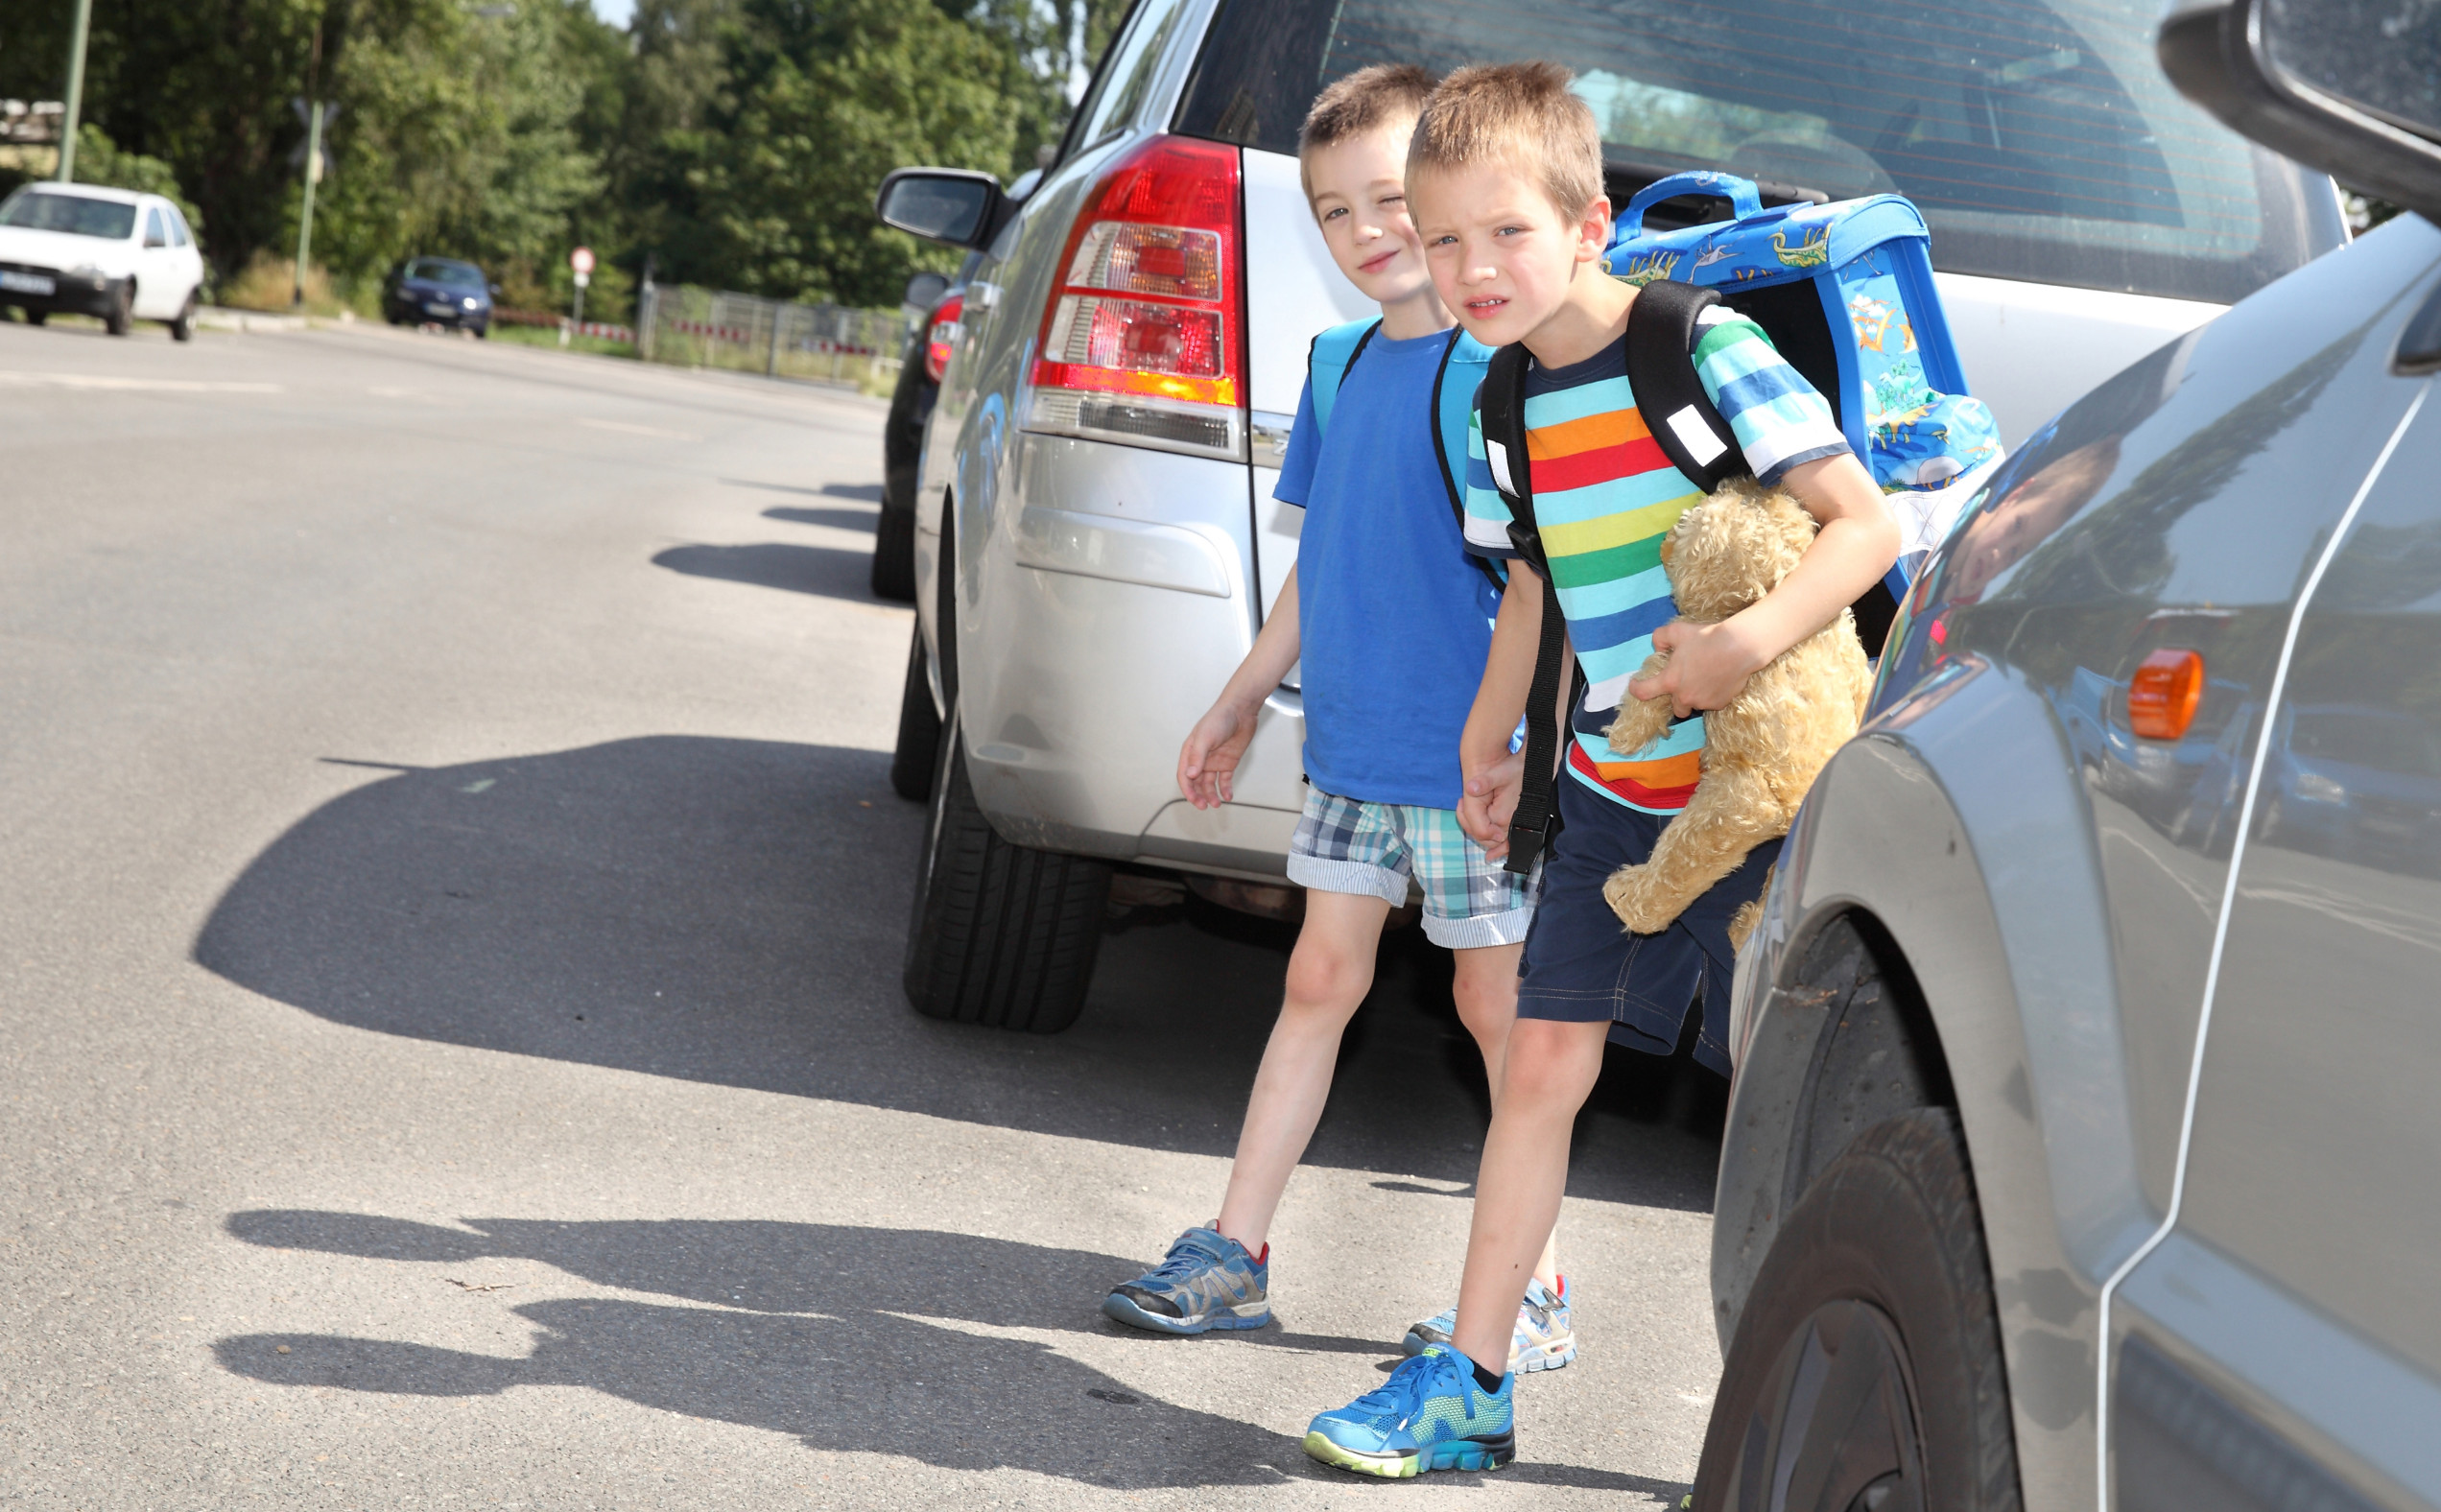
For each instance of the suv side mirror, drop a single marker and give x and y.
(957, 205)
(924, 291)
(2343, 85)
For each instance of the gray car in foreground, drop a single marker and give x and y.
(2084, 1146)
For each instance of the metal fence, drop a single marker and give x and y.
(823, 342)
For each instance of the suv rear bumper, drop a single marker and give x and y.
(1110, 601)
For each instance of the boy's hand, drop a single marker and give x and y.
(1708, 665)
(1490, 800)
(1213, 747)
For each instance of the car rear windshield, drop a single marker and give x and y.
(432, 270)
(43, 210)
(2040, 140)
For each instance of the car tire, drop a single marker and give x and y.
(919, 728)
(36, 316)
(1000, 934)
(895, 556)
(182, 325)
(1866, 1371)
(120, 316)
(482, 332)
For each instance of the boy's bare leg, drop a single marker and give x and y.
(1485, 984)
(1548, 1072)
(1329, 974)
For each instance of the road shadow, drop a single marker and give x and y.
(826, 571)
(734, 911)
(859, 1339)
(865, 520)
(868, 492)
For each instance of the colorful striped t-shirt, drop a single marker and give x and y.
(1605, 495)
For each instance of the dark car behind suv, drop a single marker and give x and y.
(933, 304)
(439, 291)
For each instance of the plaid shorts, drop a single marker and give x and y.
(1373, 849)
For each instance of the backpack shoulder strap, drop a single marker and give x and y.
(1328, 360)
(1535, 821)
(1456, 383)
(1660, 371)
(1502, 406)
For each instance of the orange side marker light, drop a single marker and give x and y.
(2163, 694)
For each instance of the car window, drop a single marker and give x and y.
(2039, 137)
(1127, 74)
(156, 233)
(178, 234)
(42, 210)
(434, 269)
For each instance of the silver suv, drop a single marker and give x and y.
(1097, 539)
(2081, 1143)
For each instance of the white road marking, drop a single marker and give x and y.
(639, 430)
(32, 380)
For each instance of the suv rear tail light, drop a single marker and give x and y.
(942, 338)
(1144, 341)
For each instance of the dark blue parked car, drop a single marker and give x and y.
(439, 291)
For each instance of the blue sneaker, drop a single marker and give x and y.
(1207, 1280)
(1429, 1415)
(1546, 1337)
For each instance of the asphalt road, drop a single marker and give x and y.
(450, 1047)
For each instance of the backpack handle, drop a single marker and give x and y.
(1745, 199)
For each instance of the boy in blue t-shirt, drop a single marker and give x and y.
(1392, 621)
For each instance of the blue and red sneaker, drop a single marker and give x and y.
(1207, 1280)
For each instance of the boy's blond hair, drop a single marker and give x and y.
(1366, 100)
(1519, 115)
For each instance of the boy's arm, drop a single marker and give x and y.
(1494, 774)
(1219, 740)
(1858, 542)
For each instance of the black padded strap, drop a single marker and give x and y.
(1535, 822)
(1661, 334)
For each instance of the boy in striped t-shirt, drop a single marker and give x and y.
(1504, 176)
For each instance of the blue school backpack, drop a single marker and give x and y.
(1845, 292)
(1463, 362)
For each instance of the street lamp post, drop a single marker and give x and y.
(312, 109)
(76, 91)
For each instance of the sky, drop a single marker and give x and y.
(614, 11)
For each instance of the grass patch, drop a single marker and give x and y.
(543, 335)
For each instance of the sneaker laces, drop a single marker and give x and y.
(1400, 1398)
(1189, 1255)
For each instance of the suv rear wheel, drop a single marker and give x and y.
(1867, 1372)
(1001, 935)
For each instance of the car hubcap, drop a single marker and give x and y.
(1835, 1428)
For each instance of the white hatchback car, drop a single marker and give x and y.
(114, 254)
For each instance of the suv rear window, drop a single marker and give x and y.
(2040, 140)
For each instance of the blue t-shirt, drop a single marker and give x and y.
(1393, 618)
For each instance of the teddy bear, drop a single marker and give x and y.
(1763, 751)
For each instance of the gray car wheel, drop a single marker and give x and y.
(120, 314)
(1000, 934)
(182, 325)
(1866, 1373)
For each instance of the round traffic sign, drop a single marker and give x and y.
(581, 259)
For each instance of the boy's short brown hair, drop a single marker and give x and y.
(1364, 101)
(1521, 115)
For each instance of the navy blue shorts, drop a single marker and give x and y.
(1581, 965)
